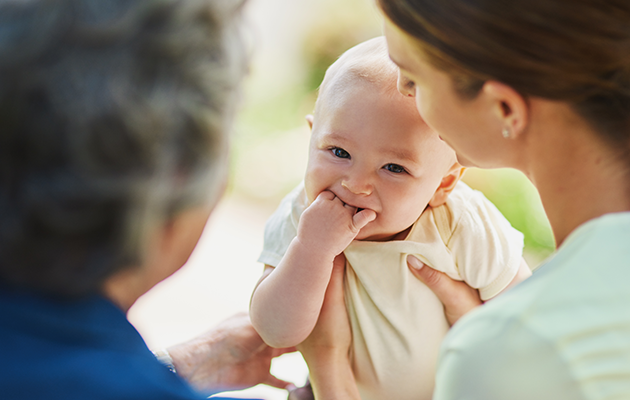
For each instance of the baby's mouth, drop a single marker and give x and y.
(357, 209)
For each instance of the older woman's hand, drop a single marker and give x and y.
(229, 357)
(457, 297)
(326, 349)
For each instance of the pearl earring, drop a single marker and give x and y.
(505, 132)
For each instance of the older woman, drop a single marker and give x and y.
(113, 150)
(542, 86)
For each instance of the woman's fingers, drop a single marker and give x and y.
(302, 393)
(278, 383)
(458, 298)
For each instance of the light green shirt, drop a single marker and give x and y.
(562, 334)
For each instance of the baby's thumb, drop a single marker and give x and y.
(363, 217)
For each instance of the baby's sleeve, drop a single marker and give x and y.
(280, 229)
(487, 249)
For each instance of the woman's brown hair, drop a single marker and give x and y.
(577, 51)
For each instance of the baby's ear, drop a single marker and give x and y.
(447, 185)
(309, 119)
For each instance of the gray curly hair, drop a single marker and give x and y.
(113, 118)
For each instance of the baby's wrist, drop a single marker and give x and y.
(314, 253)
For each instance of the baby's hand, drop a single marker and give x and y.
(329, 226)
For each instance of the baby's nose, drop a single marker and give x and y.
(357, 186)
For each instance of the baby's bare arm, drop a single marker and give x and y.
(286, 303)
(523, 273)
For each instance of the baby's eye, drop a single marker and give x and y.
(339, 152)
(395, 168)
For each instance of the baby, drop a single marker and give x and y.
(380, 185)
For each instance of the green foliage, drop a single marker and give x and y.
(339, 28)
(514, 195)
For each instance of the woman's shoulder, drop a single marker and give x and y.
(587, 275)
(559, 327)
(495, 355)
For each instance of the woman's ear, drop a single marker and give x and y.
(447, 185)
(510, 107)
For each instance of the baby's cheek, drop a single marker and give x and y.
(310, 189)
(406, 215)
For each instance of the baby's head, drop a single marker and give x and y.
(370, 147)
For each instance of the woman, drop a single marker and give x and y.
(542, 86)
(114, 121)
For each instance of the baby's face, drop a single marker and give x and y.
(373, 150)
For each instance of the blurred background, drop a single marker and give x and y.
(292, 43)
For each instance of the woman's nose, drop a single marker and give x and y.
(358, 186)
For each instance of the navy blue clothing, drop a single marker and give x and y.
(77, 350)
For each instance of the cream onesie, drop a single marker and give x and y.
(397, 322)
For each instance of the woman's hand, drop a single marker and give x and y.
(332, 331)
(326, 349)
(229, 357)
(457, 297)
